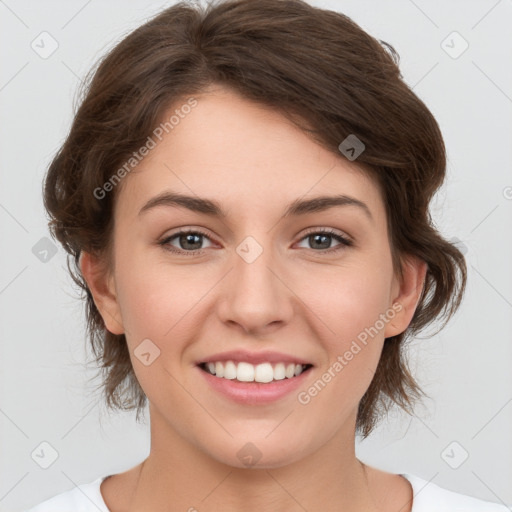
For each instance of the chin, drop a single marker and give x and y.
(258, 453)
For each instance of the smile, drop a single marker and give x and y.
(247, 372)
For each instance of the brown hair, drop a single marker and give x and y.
(315, 66)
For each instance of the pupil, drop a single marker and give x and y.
(187, 239)
(325, 237)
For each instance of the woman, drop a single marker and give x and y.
(244, 193)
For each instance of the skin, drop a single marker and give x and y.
(296, 298)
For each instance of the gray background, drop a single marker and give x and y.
(46, 394)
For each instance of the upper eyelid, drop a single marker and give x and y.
(328, 230)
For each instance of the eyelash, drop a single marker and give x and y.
(344, 241)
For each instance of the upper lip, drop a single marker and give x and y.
(253, 357)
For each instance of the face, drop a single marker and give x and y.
(302, 287)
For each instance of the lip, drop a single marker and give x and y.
(238, 356)
(254, 393)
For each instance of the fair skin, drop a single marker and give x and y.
(296, 298)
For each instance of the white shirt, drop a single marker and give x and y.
(427, 497)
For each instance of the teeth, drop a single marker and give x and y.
(290, 371)
(264, 373)
(246, 372)
(279, 371)
(230, 371)
(219, 369)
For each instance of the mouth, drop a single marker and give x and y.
(263, 373)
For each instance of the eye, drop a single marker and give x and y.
(322, 240)
(189, 240)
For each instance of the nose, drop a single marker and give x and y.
(254, 295)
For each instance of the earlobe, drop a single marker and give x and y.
(410, 287)
(102, 287)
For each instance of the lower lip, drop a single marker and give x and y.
(254, 393)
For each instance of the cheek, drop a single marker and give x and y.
(354, 311)
(350, 300)
(154, 297)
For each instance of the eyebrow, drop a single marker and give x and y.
(214, 209)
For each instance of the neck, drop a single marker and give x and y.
(177, 473)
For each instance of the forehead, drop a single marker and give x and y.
(246, 154)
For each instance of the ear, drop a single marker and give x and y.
(102, 286)
(406, 294)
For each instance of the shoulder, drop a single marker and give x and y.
(83, 498)
(429, 497)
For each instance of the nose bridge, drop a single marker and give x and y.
(255, 297)
(252, 262)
